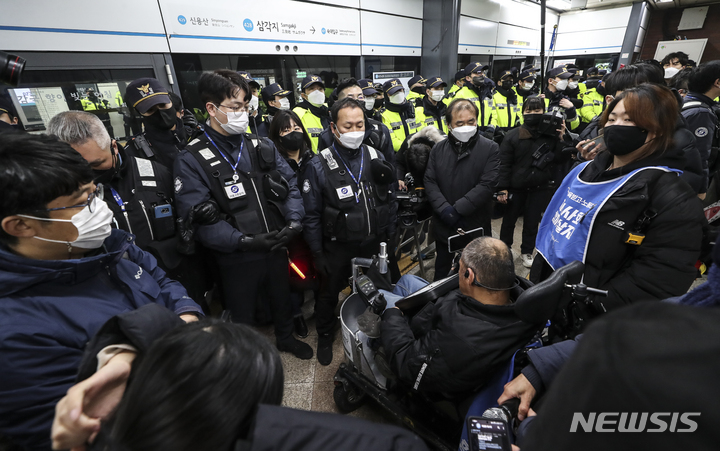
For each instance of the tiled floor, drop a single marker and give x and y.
(309, 385)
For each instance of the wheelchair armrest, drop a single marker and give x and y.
(539, 303)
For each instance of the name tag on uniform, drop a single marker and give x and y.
(411, 124)
(345, 192)
(207, 154)
(235, 190)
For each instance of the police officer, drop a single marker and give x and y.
(254, 104)
(377, 135)
(275, 99)
(164, 136)
(430, 112)
(556, 100)
(478, 89)
(138, 191)
(257, 196)
(399, 114)
(312, 111)
(417, 89)
(350, 208)
(574, 89)
(593, 100)
(508, 105)
(93, 102)
(526, 85)
(458, 82)
(460, 179)
(190, 124)
(698, 111)
(374, 99)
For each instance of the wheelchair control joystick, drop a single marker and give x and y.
(370, 294)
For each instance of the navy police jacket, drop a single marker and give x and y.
(50, 309)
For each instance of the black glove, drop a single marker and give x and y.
(186, 244)
(262, 242)
(321, 264)
(206, 213)
(450, 216)
(287, 234)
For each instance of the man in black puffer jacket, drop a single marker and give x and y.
(460, 180)
(454, 346)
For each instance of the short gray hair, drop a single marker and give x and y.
(77, 127)
(491, 260)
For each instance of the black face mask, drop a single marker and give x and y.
(507, 84)
(624, 139)
(162, 119)
(105, 176)
(532, 120)
(419, 90)
(478, 81)
(292, 141)
(379, 103)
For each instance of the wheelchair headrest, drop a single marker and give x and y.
(539, 303)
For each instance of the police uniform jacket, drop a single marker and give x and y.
(400, 121)
(252, 213)
(377, 136)
(552, 103)
(482, 98)
(145, 190)
(314, 120)
(464, 176)
(164, 145)
(332, 212)
(703, 123)
(429, 115)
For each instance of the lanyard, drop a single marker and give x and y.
(234, 166)
(118, 199)
(356, 180)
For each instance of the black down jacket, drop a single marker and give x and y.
(663, 265)
(516, 159)
(463, 341)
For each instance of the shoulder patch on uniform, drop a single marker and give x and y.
(332, 164)
(194, 141)
(178, 185)
(306, 186)
(701, 132)
(206, 153)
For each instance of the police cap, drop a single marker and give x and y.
(367, 87)
(459, 75)
(392, 86)
(560, 71)
(7, 107)
(248, 78)
(311, 80)
(144, 93)
(416, 79)
(435, 82)
(474, 68)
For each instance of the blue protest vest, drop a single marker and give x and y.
(567, 224)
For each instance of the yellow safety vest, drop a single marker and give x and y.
(485, 106)
(507, 115)
(312, 125)
(592, 105)
(429, 121)
(414, 97)
(394, 123)
(573, 123)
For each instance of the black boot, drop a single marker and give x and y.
(296, 347)
(324, 349)
(301, 329)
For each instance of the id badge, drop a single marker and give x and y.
(235, 190)
(345, 192)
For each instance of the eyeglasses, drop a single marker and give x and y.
(235, 109)
(88, 204)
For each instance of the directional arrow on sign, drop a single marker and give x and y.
(312, 29)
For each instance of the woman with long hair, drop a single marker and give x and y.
(626, 214)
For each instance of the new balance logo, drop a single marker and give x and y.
(634, 422)
(618, 224)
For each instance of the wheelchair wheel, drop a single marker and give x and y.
(348, 400)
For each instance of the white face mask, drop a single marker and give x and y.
(93, 228)
(237, 122)
(397, 98)
(561, 85)
(528, 86)
(351, 140)
(572, 85)
(437, 95)
(284, 104)
(369, 103)
(317, 98)
(671, 71)
(254, 103)
(463, 134)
